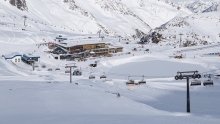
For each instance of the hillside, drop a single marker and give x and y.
(126, 18)
(113, 80)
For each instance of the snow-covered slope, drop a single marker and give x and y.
(44, 97)
(197, 29)
(125, 18)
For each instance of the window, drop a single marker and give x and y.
(18, 60)
(15, 60)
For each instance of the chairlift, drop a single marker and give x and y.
(91, 76)
(130, 82)
(195, 83)
(103, 76)
(142, 81)
(208, 82)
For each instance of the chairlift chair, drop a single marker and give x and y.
(208, 82)
(130, 82)
(91, 77)
(195, 83)
(103, 76)
(142, 81)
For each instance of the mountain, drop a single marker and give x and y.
(214, 7)
(199, 6)
(131, 18)
(197, 29)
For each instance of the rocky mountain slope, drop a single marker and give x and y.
(20, 4)
(196, 29)
(200, 6)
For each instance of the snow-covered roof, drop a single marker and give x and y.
(12, 55)
(115, 47)
(70, 43)
(61, 48)
(31, 55)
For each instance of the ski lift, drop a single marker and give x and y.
(208, 82)
(103, 76)
(195, 83)
(142, 81)
(130, 82)
(91, 76)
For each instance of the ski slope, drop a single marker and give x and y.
(41, 96)
(44, 97)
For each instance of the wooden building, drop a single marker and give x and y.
(76, 47)
(115, 49)
(80, 47)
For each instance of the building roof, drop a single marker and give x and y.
(60, 48)
(111, 47)
(12, 55)
(31, 55)
(61, 38)
(71, 43)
